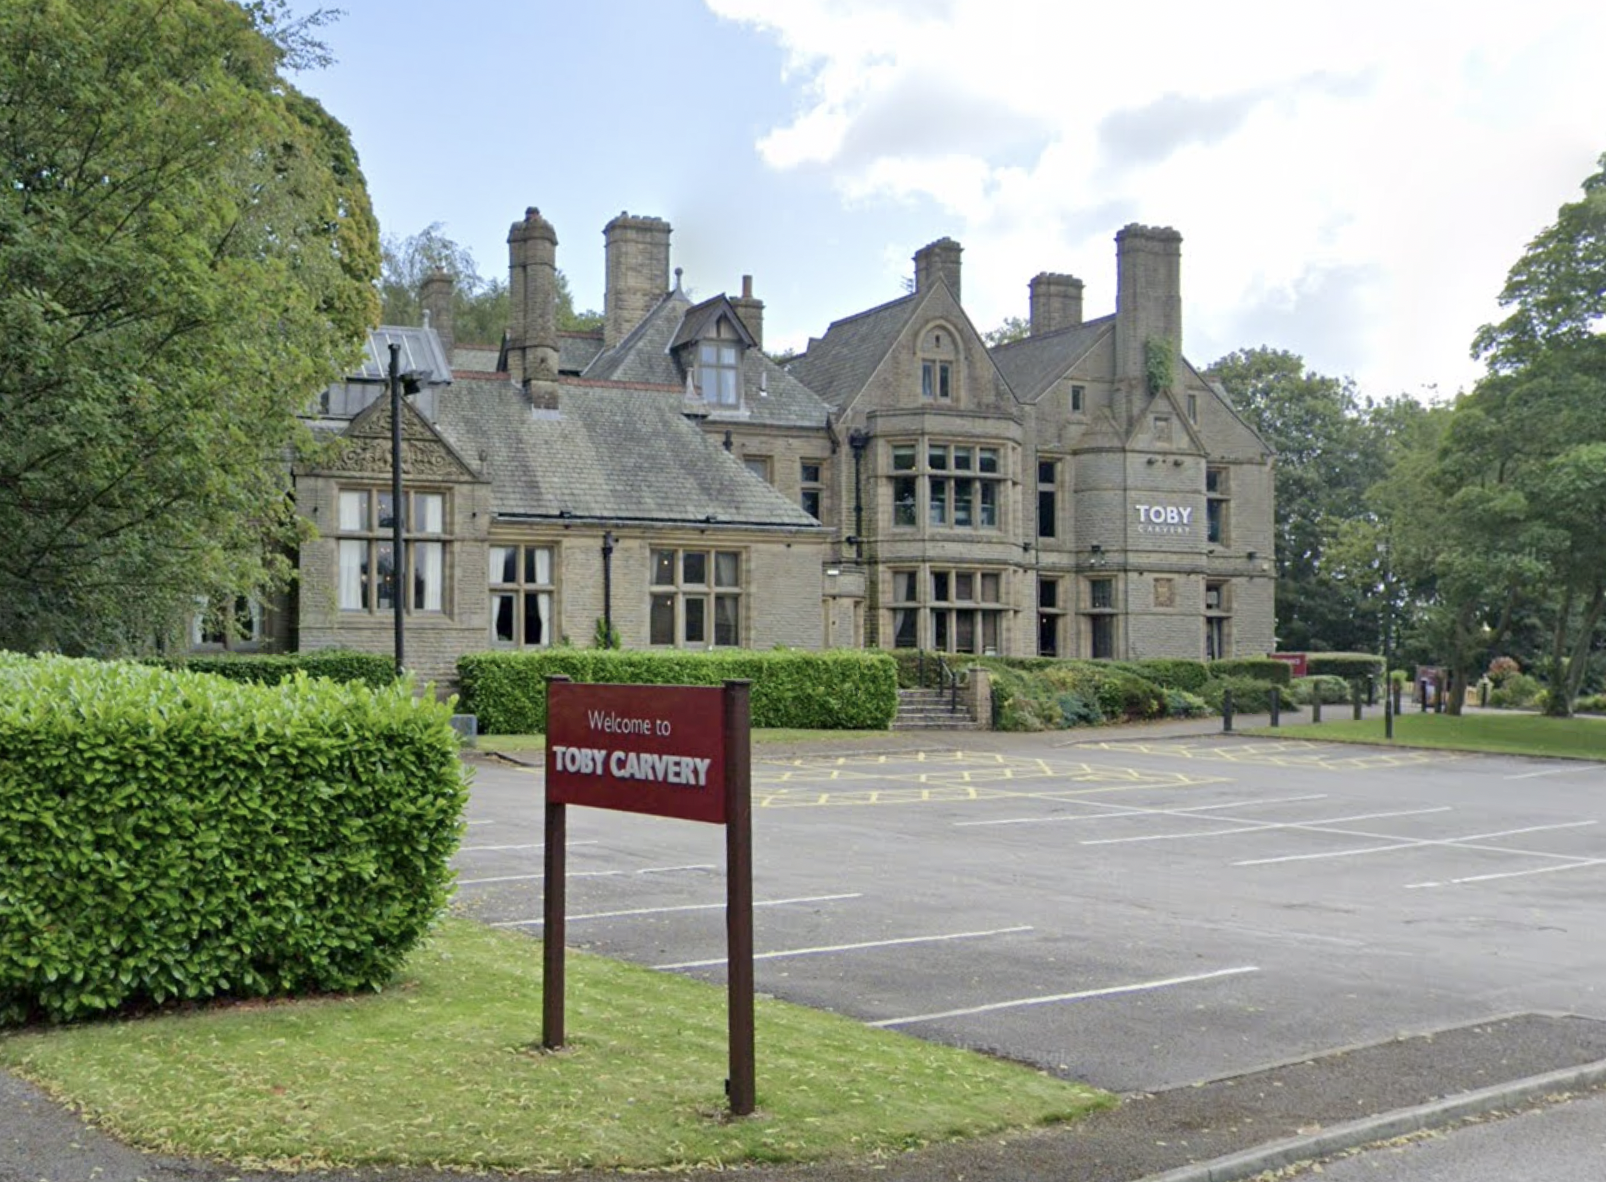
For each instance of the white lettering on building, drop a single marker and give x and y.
(1164, 519)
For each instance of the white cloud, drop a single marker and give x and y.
(1355, 178)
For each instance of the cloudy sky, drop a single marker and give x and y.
(1352, 181)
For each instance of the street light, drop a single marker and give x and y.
(398, 506)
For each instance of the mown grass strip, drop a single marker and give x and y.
(443, 1069)
(1500, 734)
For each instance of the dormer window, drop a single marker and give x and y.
(718, 372)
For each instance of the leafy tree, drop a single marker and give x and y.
(187, 254)
(479, 305)
(1328, 454)
(1014, 328)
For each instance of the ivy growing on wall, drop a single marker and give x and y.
(1159, 364)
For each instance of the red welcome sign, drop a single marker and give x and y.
(657, 749)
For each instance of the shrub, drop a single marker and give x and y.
(1182, 704)
(1171, 673)
(1347, 666)
(171, 835)
(1250, 695)
(1326, 688)
(372, 669)
(1503, 667)
(1258, 668)
(1516, 691)
(839, 690)
(1593, 704)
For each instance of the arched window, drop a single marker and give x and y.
(939, 365)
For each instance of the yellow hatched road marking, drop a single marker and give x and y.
(1305, 754)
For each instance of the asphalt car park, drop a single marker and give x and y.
(1140, 914)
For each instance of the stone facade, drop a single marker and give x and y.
(1080, 492)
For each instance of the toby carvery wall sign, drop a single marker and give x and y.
(681, 751)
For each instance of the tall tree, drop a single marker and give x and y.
(187, 254)
(479, 305)
(1327, 455)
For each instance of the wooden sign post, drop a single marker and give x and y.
(668, 751)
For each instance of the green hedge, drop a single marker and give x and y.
(844, 689)
(1258, 668)
(1035, 693)
(170, 835)
(1250, 695)
(336, 664)
(1349, 666)
(1171, 673)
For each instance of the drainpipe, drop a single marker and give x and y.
(858, 440)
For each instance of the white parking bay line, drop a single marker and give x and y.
(1410, 843)
(1083, 995)
(1580, 864)
(529, 845)
(520, 923)
(586, 874)
(824, 948)
(1128, 811)
(1263, 826)
(1556, 771)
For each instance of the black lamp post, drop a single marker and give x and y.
(398, 506)
(607, 587)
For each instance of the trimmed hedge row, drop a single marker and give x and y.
(370, 669)
(176, 836)
(844, 689)
(1258, 668)
(1349, 666)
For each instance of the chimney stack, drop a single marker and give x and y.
(533, 299)
(939, 259)
(1148, 296)
(751, 311)
(435, 294)
(1056, 302)
(638, 273)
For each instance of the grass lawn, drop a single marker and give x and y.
(775, 735)
(1512, 733)
(444, 1070)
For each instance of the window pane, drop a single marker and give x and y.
(727, 569)
(939, 586)
(727, 354)
(727, 620)
(903, 586)
(904, 628)
(353, 574)
(811, 472)
(944, 380)
(662, 624)
(937, 457)
(989, 633)
(903, 457)
(1045, 513)
(504, 564)
(964, 586)
(727, 387)
(989, 504)
(429, 513)
(962, 459)
(1045, 471)
(694, 568)
(1102, 592)
(354, 510)
(759, 466)
(1048, 593)
(939, 630)
(537, 617)
(965, 632)
(696, 609)
(538, 564)
(989, 588)
(939, 502)
(502, 618)
(962, 494)
(663, 572)
(987, 459)
(811, 502)
(386, 582)
(428, 572)
(903, 500)
(928, 380)
(387, 516)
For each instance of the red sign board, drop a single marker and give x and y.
(1299, 661)
(657, 749)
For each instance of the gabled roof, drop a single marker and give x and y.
(1035, 363)
(643, 356)
(840, 364)
(576, 350)
(421, 352)
(702, 319)
(609, 453)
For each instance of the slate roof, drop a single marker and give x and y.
(610, 452)
(478, 358)
(576, 350)
(770, 396)
(839, 365)
(1032, 365)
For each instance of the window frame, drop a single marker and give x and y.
(525, 585)
(427, 551)
(694, 601)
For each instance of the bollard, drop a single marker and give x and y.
(1276, 707)
(1226, 710)
(1389, 709)
(1355, 697)
(1316, 706)
(1397, 693)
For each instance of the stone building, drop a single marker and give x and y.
(1079, 492)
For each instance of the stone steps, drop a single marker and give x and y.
(930, 709)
